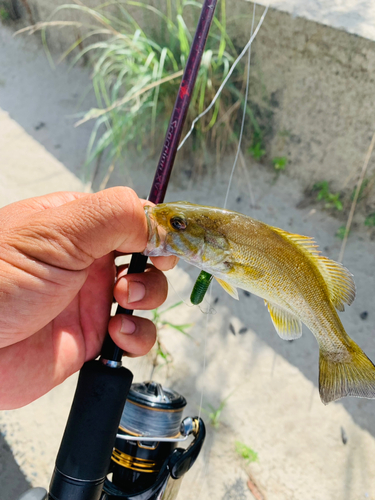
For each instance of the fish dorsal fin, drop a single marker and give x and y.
(339, 280)
(228, 288)
(288, 326)
(340, 283)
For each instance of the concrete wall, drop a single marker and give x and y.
(317, 85)
(312, 85)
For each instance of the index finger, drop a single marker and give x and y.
(72, 235)
(165, 263)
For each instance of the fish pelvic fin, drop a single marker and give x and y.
(353, 377)
(228, 288)
(288, 326)
(339, 281)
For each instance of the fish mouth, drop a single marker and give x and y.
(156, 236)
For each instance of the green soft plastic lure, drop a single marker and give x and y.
(200, 288)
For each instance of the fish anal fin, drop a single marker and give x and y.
(228, 288)
(355, 376)
(288, 326)
(339, 281)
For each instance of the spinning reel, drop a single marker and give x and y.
(146, 462)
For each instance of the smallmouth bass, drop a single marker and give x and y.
(297, 283)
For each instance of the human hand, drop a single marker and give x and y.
(57, 276)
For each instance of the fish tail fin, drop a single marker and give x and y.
(353, 377)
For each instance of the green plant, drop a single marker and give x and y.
(257, 151)
(246, 452)
(284, 133)
(341, 232)
(214, 414)
(162, 355)
(370, 220)
(361, 191)
(137, 63)
(279, 162)
(257, 142)
(161, 323)
(4, 14)
(332, 200)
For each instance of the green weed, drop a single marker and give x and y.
(341, 232)
(257, 151)
(280, 162)
(361, 191)
(162, 356)
(246, 452)
(284, 133)
(214, 414)
(4, 14)
(161, 323)
(370, 220)
(137, 62)
(332, 200)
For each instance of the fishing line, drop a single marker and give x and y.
(226, 78)
(170, 284)
(204, 357)
(244, 112)
(356, 196)
(204, 278)
(246, 48)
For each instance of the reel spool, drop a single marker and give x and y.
(145, 456)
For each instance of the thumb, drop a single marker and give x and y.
(71, 236)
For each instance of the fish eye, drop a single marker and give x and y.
(178, 223)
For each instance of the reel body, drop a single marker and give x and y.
(147, 463)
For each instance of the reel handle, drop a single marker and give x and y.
(182, 460)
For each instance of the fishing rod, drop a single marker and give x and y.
(84, 458)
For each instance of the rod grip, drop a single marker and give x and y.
(85, 451)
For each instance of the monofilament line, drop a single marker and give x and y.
(356, 196)
(226, 78)
(205, 354)
(244, 111)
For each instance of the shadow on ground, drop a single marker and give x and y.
(12, 482)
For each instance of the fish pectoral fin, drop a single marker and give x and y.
(228, 288)
(352, 375)
(288, 326)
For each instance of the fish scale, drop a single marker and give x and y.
(298, 284)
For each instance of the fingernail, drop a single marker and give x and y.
(127, 326)
(136, 291)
